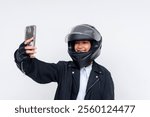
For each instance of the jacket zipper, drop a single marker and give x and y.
(91, 86)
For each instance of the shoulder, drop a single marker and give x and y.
(101, 68)
(66, 63)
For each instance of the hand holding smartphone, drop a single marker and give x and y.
(30, 36)
(30, 32)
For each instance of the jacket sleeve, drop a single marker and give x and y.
(40, 71)
(108, 93)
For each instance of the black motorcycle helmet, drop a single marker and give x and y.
(84, 32)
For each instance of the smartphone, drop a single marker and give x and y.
(30, 31)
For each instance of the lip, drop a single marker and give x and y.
(80, 51)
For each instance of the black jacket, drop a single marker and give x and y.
(100, 85)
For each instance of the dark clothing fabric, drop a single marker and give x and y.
(100, 85)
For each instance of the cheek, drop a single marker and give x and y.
(75, 47)
(88, 47)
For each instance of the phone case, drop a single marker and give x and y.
(29, 33)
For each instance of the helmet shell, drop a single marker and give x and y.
(84, 32)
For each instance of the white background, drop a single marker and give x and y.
(124, 25)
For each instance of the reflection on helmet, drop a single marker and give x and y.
(82, 32)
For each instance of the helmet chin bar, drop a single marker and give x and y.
(81, 59)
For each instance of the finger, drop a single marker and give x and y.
(28, 41)
(30, 52)
(30, 48)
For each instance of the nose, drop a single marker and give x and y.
(79, 45)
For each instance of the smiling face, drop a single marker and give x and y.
(82, 46)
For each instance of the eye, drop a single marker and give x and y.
(85, 42)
